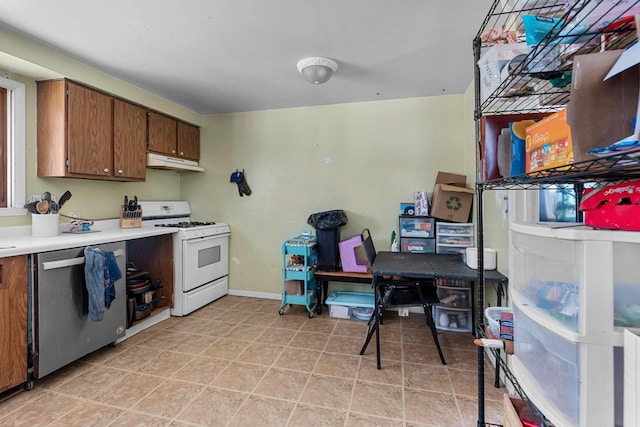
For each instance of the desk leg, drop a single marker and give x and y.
(318, 298)
(431, 324)
(325, 289)
(374, 324)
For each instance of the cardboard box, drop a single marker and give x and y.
(451, 200)
(600, 112)
(614, 207)
(294, 287)
(516, 413)
(548, 143)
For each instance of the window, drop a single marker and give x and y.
(557, 203)
(12, 147)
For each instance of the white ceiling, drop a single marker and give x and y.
(218, 56)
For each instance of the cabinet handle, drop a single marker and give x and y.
(182, 153)
(106, 170)
(120, 171)
(51, 265)
(173, 151)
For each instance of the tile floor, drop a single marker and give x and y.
(237, 362)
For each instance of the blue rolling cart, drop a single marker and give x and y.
(299, 261)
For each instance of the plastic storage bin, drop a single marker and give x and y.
(454, 297)
(417, 226)
(626, 285)
(345, 305)
(351, 262)
(451, 319)
(492, 315)
(418, 245)
(548, 274)
(552, 362)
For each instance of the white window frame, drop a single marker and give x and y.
(16, 148)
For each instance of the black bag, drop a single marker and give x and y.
(327, 225)
(328, 220)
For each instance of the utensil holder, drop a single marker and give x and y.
(45, 225)
(130, 219)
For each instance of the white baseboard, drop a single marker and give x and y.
(269, 295)
(254, 294)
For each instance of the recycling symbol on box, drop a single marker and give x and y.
(453, 203)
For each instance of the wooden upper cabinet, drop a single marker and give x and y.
(85, 133)
(173, 138)
(162, 134)
(90, 131)
(13, 322)
(129, 140)
(188, 141)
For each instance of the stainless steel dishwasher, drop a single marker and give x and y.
(63, 330)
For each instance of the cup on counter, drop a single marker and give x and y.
(45, 225)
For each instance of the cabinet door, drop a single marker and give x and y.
(162, 134)
(129, 140)
(90, 131)
(13, 321)
(188, 141)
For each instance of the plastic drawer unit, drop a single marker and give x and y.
(574, 291)
(417, 234)
(455, 312)
(453, 238)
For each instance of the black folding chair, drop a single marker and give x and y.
(398, 292)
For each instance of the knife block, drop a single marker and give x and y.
(130, 219)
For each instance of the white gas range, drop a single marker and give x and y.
(200, 254)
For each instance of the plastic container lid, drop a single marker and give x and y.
(352, 299)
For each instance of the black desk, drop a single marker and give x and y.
(424, 266)
(428, 266)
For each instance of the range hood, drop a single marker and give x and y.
(158, 161)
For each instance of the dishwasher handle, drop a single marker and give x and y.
(51, 265)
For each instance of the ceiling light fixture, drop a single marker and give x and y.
(317, 70)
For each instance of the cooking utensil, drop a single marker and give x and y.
(46, 196)
(63, 199)
(42, 206)
(31, 207)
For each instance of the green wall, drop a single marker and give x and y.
(364, 158)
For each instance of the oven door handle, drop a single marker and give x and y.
(51, 265)
(201, 238)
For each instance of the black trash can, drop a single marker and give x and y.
(327, 225)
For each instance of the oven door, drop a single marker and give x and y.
(204, 259)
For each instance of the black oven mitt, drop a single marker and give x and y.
(238, 178)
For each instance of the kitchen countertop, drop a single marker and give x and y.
(18, 240)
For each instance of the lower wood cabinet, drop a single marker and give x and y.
(13, 321)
